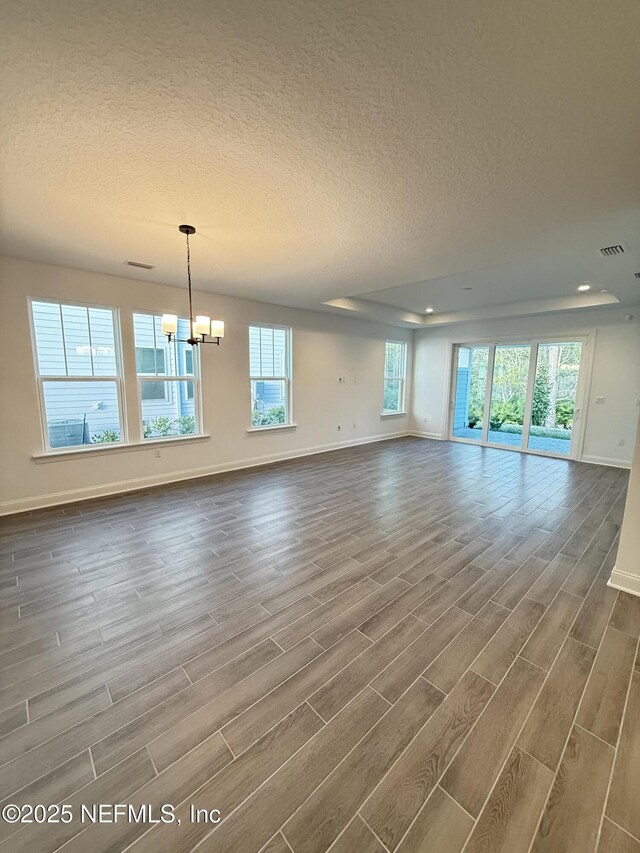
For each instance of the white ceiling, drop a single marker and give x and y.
(329, 149)
(476, 293)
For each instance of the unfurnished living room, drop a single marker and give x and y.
(320, 465)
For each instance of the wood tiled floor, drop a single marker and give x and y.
(405, 646)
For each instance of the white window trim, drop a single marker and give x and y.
(288, 380)
(196, 378)
(117, 378)
(402, 378)
(271, 427)
(102, 449)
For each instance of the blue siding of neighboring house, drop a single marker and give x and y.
(77, 411)
(269, 394)
(461, 408)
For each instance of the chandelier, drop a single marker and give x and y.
(203, 330)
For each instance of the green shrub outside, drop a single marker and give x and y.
(274, 415)
(164, 426)
(106, 437)
(564, 413)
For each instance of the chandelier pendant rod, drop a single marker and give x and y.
(192, 334)
(170, 321)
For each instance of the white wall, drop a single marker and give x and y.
(626, 574)
(324, 348)
(615, 373)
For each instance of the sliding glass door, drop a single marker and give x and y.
(470, 370)
(509, 394)
(555, 391)
(524, 396)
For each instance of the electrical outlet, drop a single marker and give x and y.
(599, 401)
(424, 420)
(354, 426)
(158, 453)
(621, 442)
(339, 427)
(341, 380)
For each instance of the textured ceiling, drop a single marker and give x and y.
(326, 149)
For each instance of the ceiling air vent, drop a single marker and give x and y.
(609, 251)
(140, 265)
(637, 275)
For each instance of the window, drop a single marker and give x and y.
(270, 369)
(154, 391)
(150, 361)
(168, 377)
(79, 374)
(395, 368)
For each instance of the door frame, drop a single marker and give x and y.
(586, 338)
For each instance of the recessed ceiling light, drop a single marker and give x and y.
(605, 290)
(584, 287)
(429, 310)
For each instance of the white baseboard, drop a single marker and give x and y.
(137, 483)
(605, 460)
(591, 460)
(624, 581)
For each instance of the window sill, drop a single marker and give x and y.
(107, 449)
(394, 414)
(270, 427)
